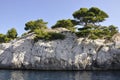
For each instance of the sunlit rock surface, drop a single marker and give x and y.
(72, 53)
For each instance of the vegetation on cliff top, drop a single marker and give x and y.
(68, 24)
(39, 27)
(10, 35)
(89, 18)
(41, 34)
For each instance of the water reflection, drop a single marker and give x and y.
(59, 75)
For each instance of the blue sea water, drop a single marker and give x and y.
(58, 75)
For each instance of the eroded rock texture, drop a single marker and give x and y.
(72, 53)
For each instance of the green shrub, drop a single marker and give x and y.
(37, 24)
(97, 32)
(68, 24)
(93, 37)
(54, 36)
(4, 38)
(12, 33)
(83, 33)
(41, 34)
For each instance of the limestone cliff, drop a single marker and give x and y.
(72, 53)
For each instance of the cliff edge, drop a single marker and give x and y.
(72, 53)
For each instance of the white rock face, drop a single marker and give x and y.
(72, 53)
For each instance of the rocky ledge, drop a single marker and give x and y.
(72, 53)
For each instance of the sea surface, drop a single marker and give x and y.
(58, 75)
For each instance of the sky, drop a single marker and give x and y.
(15, 13)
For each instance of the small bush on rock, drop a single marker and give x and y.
(54, 36)
(41, 34)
